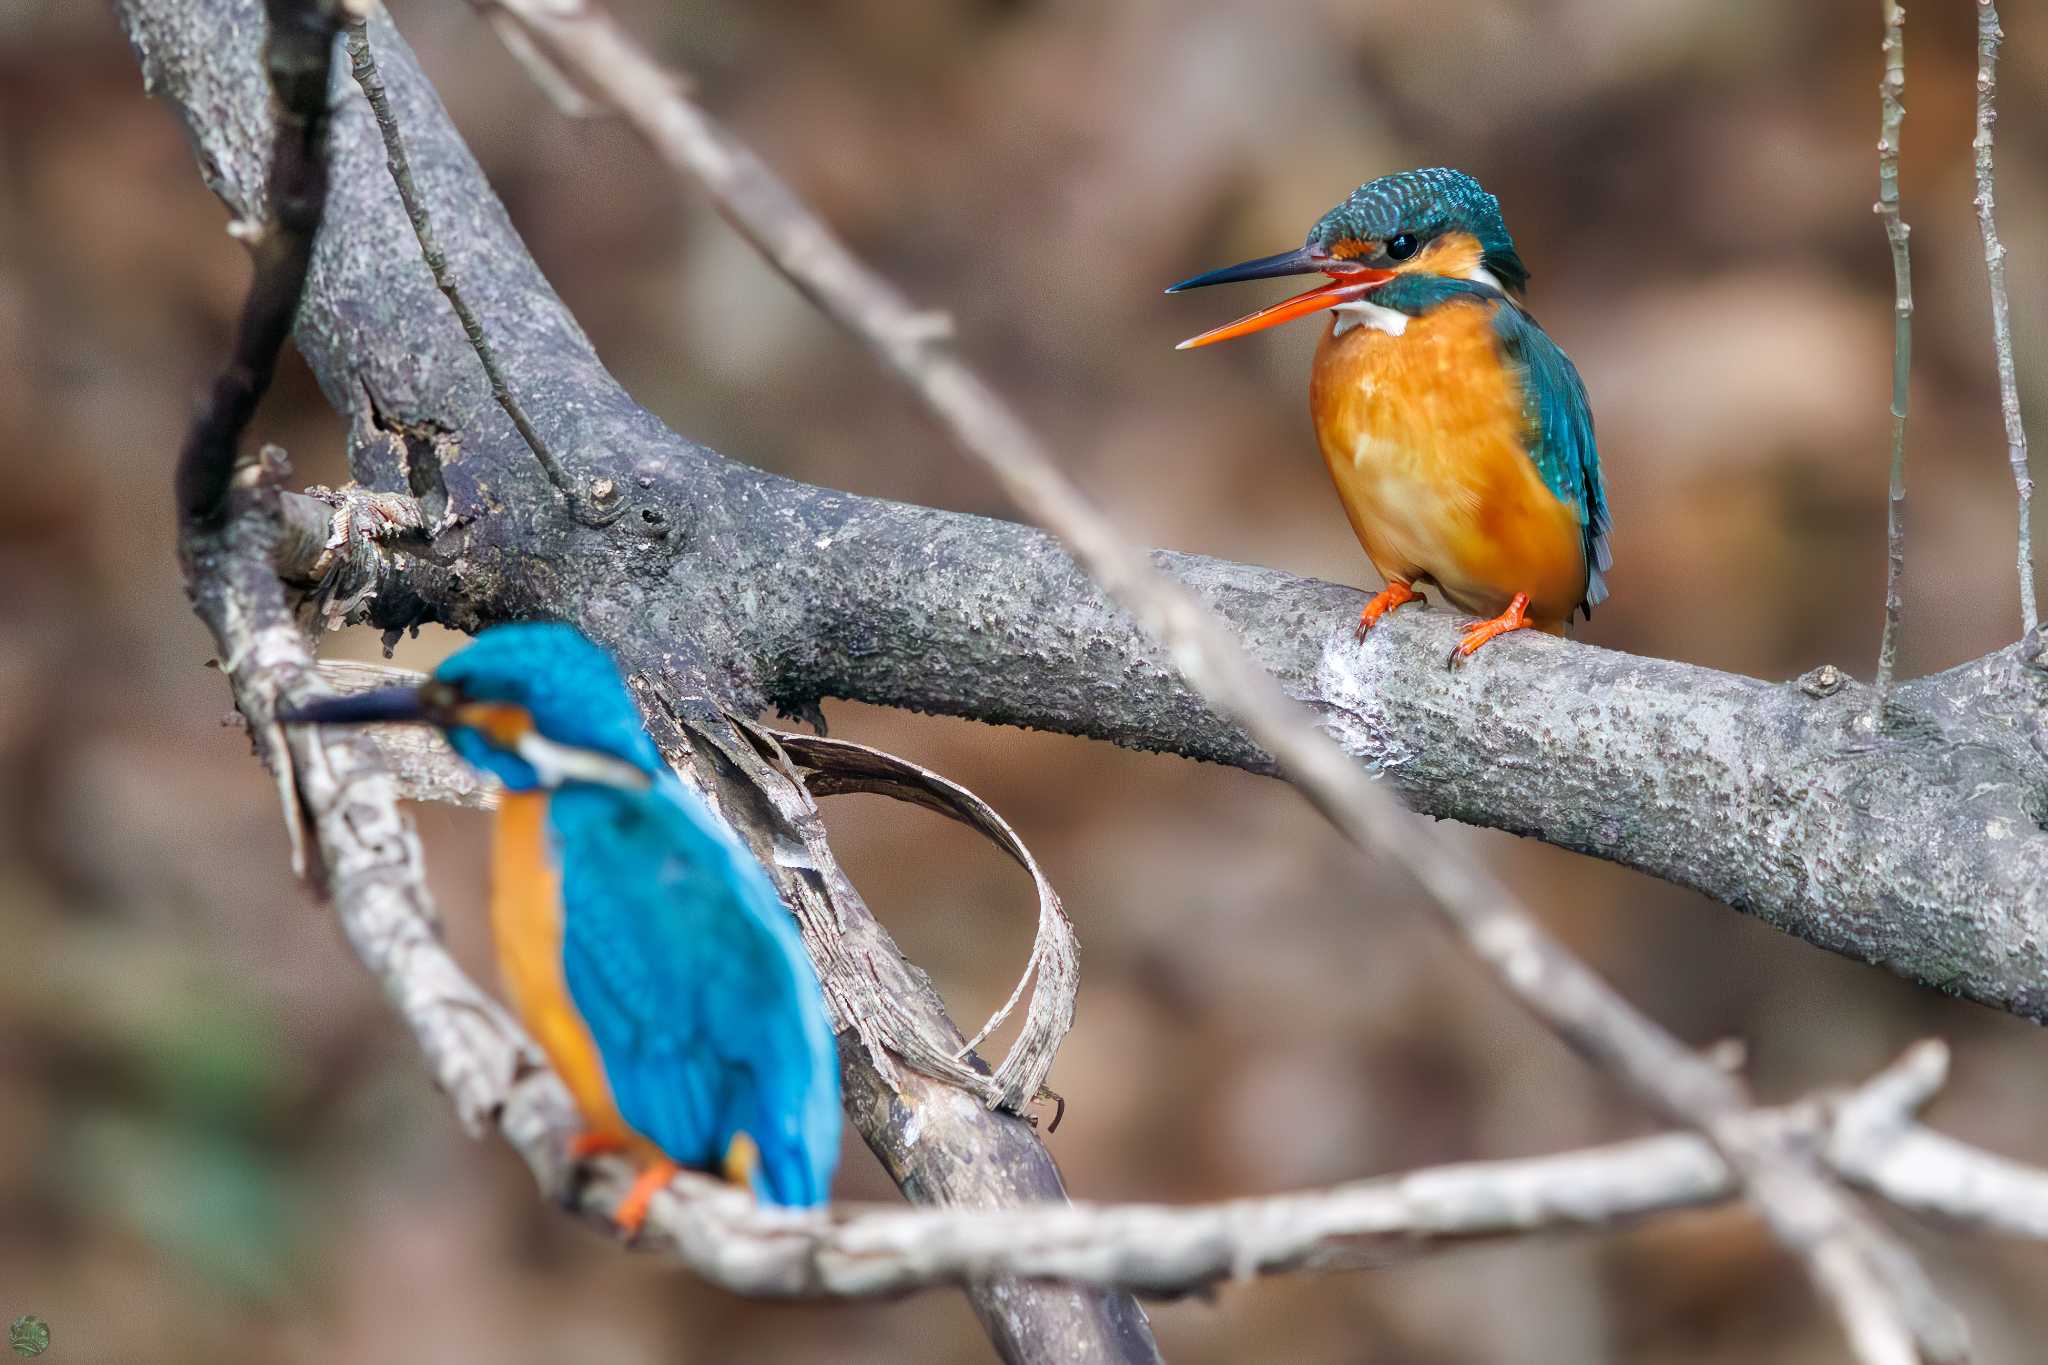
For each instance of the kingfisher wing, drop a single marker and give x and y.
(693, 980)
(1560, 421)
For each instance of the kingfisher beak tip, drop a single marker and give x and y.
(1340, 289)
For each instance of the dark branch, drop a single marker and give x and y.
(279, 228)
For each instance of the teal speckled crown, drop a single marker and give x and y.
(1425, 203)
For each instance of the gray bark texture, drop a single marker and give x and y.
(1916, 842)
(1912, 839)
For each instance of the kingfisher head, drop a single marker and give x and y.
(535, 705)
(1431, 222)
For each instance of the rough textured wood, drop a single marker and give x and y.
(1918, 845)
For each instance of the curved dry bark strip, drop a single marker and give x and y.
(1919, 846)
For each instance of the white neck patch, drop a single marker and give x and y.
(556, 763)
(1388, 320)
(1363, 314)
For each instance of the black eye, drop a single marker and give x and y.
(1403, 246)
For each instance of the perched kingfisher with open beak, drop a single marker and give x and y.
(641, 943)
(1457, 433)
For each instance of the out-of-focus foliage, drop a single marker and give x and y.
(214, 1142)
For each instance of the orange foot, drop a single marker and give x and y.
(632, 1210)
(1516, 617)
(1389, 597)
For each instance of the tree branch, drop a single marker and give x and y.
(1867, 1136)
(1779, 799)
(586, 504)
(1892, 92)
(1988, 36)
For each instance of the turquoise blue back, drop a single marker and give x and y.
(693, 980)
(679, 955)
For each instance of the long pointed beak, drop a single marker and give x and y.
(1348, 281)
(385, 705)
(1295, 262)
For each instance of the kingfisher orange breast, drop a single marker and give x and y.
(526, 923)
(1426, 437)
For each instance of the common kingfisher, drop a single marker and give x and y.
(642, 945)
(1457, 433)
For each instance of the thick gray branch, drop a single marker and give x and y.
(1918, 846)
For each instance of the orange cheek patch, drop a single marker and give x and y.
(1350, 248)
(1455, 254)
(504, 725)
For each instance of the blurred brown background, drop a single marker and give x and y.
(216, 1144)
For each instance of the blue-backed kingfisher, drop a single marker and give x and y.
(1457, 433)
(642, 945)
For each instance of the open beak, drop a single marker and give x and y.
(383, 706)
(1348, 281)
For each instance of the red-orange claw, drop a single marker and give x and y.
(631, 1215)
(1516, 617)
(1385, 600)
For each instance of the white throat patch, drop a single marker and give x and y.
(1367, 314)
(1363, 314)
(556, 763)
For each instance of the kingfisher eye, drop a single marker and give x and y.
(1403, 246)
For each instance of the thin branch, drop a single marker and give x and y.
(1891, 93)
(1989, 34)
(297, 57)
(1867, 1136)
(588, 507)
(1889, 1309)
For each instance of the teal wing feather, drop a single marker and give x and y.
(695, 985)
(1561, 436)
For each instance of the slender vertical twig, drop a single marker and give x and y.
(1891, 92)
(363, 65)
(1989, 35)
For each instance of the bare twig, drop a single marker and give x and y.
(1989, 35)
(586, 505)
(1884, 1300)
(298, 55)
(1891, 93)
